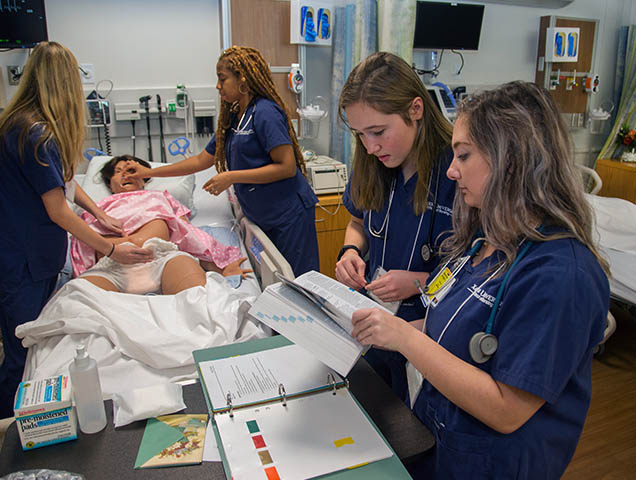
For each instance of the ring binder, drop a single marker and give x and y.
(296, 403)
(332, 381)
(229, 404)
(283, 394)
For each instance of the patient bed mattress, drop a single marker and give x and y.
(616, 230)
(142, 340)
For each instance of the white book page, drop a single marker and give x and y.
(343, 298)
(312, 436)
(291, 315)
(256, 377)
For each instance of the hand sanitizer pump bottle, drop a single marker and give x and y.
(87, 392)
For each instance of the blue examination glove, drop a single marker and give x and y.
(310, 29)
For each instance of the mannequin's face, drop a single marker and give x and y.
(118, 184)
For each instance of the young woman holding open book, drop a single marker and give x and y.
(399, 197)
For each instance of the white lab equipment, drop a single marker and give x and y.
(310, 118)
(327, 175)
(296, 78)
(87, 392)
(599, 115)
(443, 101)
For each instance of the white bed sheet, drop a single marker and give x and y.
(137, 340)
(616, 229)
(142, 340)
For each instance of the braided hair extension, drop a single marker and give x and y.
(248, 62)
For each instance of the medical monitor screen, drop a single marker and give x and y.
(22, 23)
(452, 26)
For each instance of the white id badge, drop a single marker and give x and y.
(390, 306)
(415, 380)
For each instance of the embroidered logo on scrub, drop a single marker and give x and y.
(481, 295)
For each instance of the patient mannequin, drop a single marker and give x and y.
(172, 270)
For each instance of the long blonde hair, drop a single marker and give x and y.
(248, 63)
(49, 96)
(520, 132)
(389, 85)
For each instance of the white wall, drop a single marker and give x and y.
(145, 48)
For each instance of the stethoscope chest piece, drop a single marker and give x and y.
(426, 252)
(482, 346)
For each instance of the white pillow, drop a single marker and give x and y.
(181, 188)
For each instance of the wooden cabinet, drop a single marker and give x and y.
(332, 219)
(619, 179)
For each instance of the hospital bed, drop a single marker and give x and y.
(143, 340)
(615, 221)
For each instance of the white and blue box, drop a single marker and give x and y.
(44, 412)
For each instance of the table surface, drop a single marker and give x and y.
(112, 453)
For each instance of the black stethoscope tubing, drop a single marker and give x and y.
(428, 247)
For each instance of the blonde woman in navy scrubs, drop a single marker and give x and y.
(41, 136)
(399, 197)
(500, 366)
(256, 150)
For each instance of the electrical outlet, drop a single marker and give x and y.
(14, 72)
(87, 72)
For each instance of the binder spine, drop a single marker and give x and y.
(332, 384)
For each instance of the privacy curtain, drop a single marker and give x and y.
(361, 27)
(624, 90)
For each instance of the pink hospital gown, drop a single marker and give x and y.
(134, 210)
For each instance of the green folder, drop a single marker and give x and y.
(388, 468)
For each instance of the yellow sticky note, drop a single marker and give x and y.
(343, 441)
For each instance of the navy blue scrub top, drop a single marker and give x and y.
(551, 316)
(402, 228)
(30, 243)
(264, 127)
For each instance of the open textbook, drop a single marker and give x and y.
(315, 311)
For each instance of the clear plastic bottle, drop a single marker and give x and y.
(87, 392)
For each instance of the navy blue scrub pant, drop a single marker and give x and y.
(296, 241)
(17, 307)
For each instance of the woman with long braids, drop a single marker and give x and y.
(256, 150)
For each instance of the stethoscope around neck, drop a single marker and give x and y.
(427, 249)
(483, 345)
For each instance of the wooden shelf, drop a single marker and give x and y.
(332, 219)
(619, 179)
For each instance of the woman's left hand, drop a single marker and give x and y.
(373, 326)
(219, 183)
(110, 223)
(396, 285)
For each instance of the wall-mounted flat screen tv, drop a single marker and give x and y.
(451, 26)
(22, 23)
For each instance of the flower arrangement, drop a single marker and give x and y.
(626, 136)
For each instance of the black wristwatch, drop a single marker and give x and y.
(348, 247)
